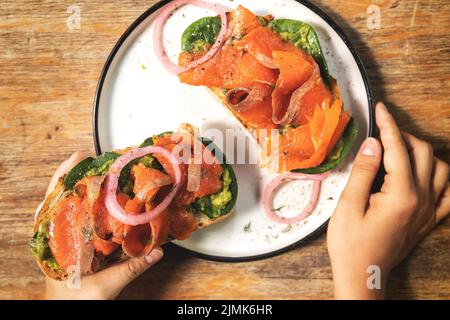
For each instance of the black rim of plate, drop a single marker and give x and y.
(310, 6)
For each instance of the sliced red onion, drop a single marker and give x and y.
(275, 183)
(158, 34)
(112, 181)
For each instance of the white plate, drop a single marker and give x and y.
(137, 97)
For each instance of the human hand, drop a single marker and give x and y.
(381, 229)
(108, 283)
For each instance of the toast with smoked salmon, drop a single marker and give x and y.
(271, 74)
(125, 203)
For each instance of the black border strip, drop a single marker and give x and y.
(310, 6)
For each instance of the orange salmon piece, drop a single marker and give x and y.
(315, 97)
(309, 148)
(295, 69)
(141, 240)
(67, 238)
(143, 176)
(344, 119)
(105, 247)
(229, 68)
(182, 223)
(210, 182)
(261, 42)
(105, 226)
(241, 22)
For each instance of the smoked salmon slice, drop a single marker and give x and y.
(295, 70)
(261, 42)
(182, 223)
(107, 227)
(259, 116)
(342, 125)
(146, 180)
(105, 247)
(210, 174)
(68, 241)
(307, 146)
(241, 21)
(141, 240)
(229, 68)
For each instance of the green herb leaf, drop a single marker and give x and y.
(201, 33)
(77, 173)
(100, 166)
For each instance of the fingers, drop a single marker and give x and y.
(396, 158)
(117, 277)
(440, 179)
(365, 169)
(443, 208)
(422, 158)
(64, 168)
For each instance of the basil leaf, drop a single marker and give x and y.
(201, 33)
(77, 173)
(89, 167)
(100, 166)
(340, 151)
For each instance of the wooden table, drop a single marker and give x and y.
(48, 76)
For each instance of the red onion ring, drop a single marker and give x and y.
(112, 181)
(159, 25)
(270, 188)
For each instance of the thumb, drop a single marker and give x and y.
(115, 278)
(365, 169)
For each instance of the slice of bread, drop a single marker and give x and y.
(47, 213)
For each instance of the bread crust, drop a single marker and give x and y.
(47, 212)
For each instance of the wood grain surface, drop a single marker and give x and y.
(48, 76)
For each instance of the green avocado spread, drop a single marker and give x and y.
(215, 205)
(39, 246)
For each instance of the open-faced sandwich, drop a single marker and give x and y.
(273, 77)
(127, 202)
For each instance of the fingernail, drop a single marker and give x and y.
(369, 147)
(382, 106)
(154, 256)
